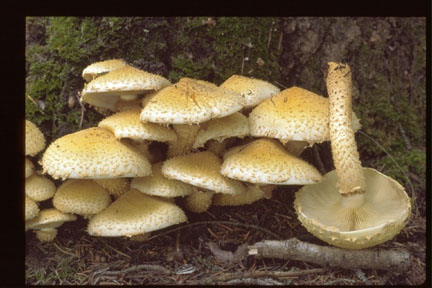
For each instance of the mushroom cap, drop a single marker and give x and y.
(48, 219)
(39, 188)
(191, 101)
(93, 153)
(158, 185)
(253, 90)
(234, 125)
(127, 124)
(81, 196)
(135, 213)
(97, 68)
(105, 91)
(198, 201)
(253, 193)
(265, 161)
(34, 139)
(201, 169)
(114, 186)
(31, 208)
(293, 114)
(385, 211)
(29, 168)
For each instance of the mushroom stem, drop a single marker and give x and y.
(128, 97)
(351, 181)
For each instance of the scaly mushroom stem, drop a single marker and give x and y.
(351, 181)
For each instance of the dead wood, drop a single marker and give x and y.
(396, 260)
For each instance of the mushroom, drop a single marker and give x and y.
(253, 193)
(353, 207)
(93, 153)
(201, 169)
(127, 124)
(29, 168)
(34, 139)
(234, 125)
(31, 208)
(114, 186)
(81, 196)
(253, 90)
(265, 161)
(96, 69)
(186, 135)
(135, 213)
(125, 83)
(190, 101)
(46, 223)
(198, 201)
(39, 188)
(158, 185)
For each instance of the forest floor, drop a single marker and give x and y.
(187, 253)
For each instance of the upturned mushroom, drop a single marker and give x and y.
(135, 213)
(125, 83)
(353, 207)
(93, 153)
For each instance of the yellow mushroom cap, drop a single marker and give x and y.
(265, 161)
(384, 212)
(34, 139)
(105, 91)
(135, 213)
(253, 193)
(201, 169)
(31, 208)
(48, 219)
(158, 185)
(81, 196)
(190, 101)
(29, 168)
(234, 125)
(293, 114)
(127, 124)
(198, 201)
(114, 186)
(39, 188)
(93, 153)
(95, 69)
(253, 90)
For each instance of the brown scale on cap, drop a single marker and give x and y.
(93, 153)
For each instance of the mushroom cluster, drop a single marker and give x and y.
(164, 147)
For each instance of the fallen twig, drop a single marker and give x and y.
(147, 267)
(326, 256)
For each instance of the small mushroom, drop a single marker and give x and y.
(253, 193)
(46, 223)
(99, 68)
(186, 135)
(31, 208)
(114, 186)
(34, 139)
(198, 201)
(29, 168)
(39, 188)
(353, 207)
(135, 213)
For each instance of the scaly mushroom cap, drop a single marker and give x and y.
(293, 114)
(385, 211)
(201, 169)
(31, 208)
(186, 135)
(234, 125)
(94, 70)
(127, 124)
(253, 193)
(34, 139)
(199, 201)
(50, 218)
(114, 186)
(253, 90)
(93, 153)
(39, 188)
(191, 101)
(158, 185)
(135, 213)
(265, 161)
(81, 196)
(29, 168)
(106, 90)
